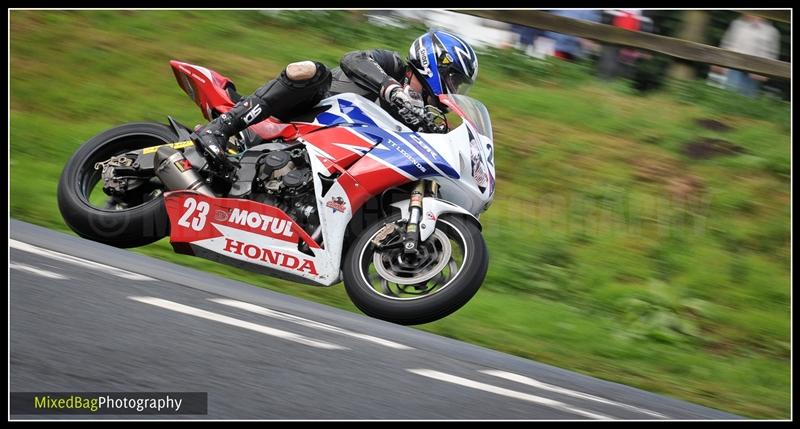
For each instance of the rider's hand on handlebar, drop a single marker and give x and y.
(408, 102)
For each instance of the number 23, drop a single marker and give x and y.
(197, 223)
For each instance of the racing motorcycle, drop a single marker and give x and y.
(343, 192)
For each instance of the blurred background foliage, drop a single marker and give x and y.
(639, 237)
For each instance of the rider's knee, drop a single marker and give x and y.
(302, 70)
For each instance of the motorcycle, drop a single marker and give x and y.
(343, 192)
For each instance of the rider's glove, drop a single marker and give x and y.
(408, 102)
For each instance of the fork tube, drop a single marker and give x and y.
(411, 238)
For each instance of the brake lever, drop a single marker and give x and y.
(432, 114)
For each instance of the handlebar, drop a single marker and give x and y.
(432, 120)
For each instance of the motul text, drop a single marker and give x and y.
(261, 221)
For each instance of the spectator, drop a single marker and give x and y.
(526, 37)
(752, 35)
(571, 47)
(629, 19)
(615, 60)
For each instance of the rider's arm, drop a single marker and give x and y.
(373, 69)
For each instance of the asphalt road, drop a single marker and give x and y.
(86, 317)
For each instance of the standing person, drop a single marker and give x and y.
(629, 19)
(752, 35)
(526, 37)
(571, 47)
(616, 60)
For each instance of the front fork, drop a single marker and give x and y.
(411, 232)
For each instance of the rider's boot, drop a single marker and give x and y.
(299, 86)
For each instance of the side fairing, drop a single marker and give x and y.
(261, 237)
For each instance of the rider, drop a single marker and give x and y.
(438, 63)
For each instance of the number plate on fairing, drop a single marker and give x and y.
(240, 229)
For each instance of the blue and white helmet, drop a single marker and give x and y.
(444, 62)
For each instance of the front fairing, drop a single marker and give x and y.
(461, 160)
(474, 142)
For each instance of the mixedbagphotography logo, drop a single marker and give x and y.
(73, 402)
(129, 403)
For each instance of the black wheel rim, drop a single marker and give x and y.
(89, 180)
(441, 280)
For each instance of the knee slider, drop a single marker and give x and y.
(303, 70)
(314, 74)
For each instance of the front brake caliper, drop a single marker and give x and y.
(383, 234)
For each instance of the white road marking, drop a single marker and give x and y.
(306, 322)
(47, 253)
(508, 393)
(34, 270)
(564, 391)
(185, 309)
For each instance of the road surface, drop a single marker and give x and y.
(87, 317)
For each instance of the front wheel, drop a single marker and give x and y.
(447, 272)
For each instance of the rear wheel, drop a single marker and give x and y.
(447, 272)
(134, 219)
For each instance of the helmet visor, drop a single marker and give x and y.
(456, 82)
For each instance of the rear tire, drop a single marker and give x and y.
(457, 291)
(130, 227)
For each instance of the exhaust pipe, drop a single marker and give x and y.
(176, 172)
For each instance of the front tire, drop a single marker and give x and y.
(131, 224)
(409, 303)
